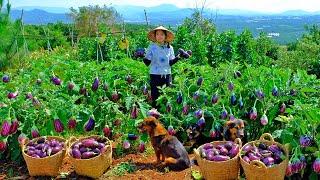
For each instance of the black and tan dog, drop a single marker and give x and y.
(234, 129)
(171, 150)
(196, 138)
(229, 132)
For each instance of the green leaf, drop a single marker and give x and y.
(196, 175)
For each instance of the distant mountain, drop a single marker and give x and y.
(297, 13)
(37, 16)
(290, 25)
(58, 10)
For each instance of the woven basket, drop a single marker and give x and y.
(48, 166)
(257, 170)
(93, 167)
(224, 170)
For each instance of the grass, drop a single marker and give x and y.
(122, 168)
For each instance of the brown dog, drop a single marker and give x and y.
(174, 155)
(234, 129)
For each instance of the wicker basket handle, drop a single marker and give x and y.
(269, 136)
(70, 141)
(258, 163)
(238, 141)
(196, 152)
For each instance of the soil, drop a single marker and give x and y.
(145, 169)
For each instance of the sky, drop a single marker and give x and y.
(253, 5)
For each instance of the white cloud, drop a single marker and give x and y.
(255, 5)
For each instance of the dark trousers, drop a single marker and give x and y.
(155, 81)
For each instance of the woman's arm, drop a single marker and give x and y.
(146, 61)
(175, 60)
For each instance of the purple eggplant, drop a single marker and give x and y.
(88, 155)
(168, 107)
(233, 99)
(30, 152)
(264, 120)
(229, 145)
(200, 81)
(224, 114)
(237, 74)
(214, 98)
(126, 144)
(96, 151)
(95, 84)
(179, 98)
(89, 125)
(83, 149)
(185, 109)
(234, 151)
(209, 155)
(72, 123)
(101, 145)
(35, 156)
(201, 122)
(198, 113)
(305, 141)
(3, 145)
(274, 148)
(76, 153)
(316, 166)
(171, 130)
(259, 94)
(12, 95)
(207, 146)
(252, 157)
(134, 112)
(29, 95)
(144, 90)
(282, 108)
(107, 131)
(196, 95)
(275, 91)
(141, 147)
(230, 86)
(22, 138)
(253, 113)
(58, 126)
(5, 128)
(154, 112)
(240, 103)
(266, 153)
(223, 151)
(115, 96)
(90, 143)
(220, 158)
(246, 159)
(56, 81)
(129, 79)
(70, 86)
(247, 148)
(132, 137)
(5, 78)
(183, 53)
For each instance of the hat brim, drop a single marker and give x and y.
(152, 34)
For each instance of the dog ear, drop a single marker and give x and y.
(152, 124)
(230, 124)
